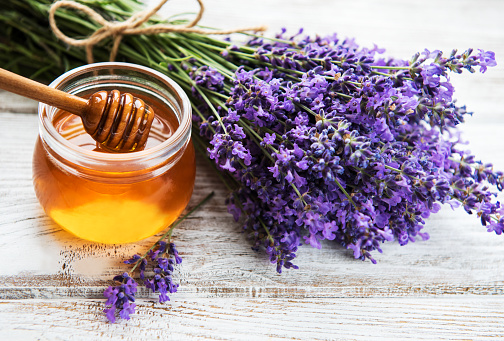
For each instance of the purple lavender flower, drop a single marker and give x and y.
(121, 298)
(486, 59)
(208, 77)
(162, 263)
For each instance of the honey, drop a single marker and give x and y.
(111, 197)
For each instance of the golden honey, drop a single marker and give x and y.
(111, 197)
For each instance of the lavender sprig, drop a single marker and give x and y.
(120, 298)
(161, 257)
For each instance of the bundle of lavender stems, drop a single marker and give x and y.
(325, 140)
(316, 138)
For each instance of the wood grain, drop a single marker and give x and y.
(444, 318)
(450, 287)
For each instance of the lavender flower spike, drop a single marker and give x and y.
(121, 298)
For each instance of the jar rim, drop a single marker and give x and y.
(179, 137)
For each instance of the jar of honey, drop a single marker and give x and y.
(105, 196)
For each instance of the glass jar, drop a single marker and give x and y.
(115, 197)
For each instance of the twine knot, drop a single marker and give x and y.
(129, 27)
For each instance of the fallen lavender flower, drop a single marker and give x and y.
(158, 261)
(161, 281)
(121, 298)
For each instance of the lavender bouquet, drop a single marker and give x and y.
(316, 138)
(327, 140)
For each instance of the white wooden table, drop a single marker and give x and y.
(450, 287)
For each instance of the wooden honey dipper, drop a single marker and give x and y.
(118, 121)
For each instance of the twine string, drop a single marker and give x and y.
(131, 26)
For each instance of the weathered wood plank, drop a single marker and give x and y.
(16, 104)
(444, 318)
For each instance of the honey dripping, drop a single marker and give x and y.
(111, 212)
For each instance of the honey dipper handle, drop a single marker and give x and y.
(26, 87)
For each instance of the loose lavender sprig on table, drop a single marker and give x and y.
(161, 258)
(317, 138)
